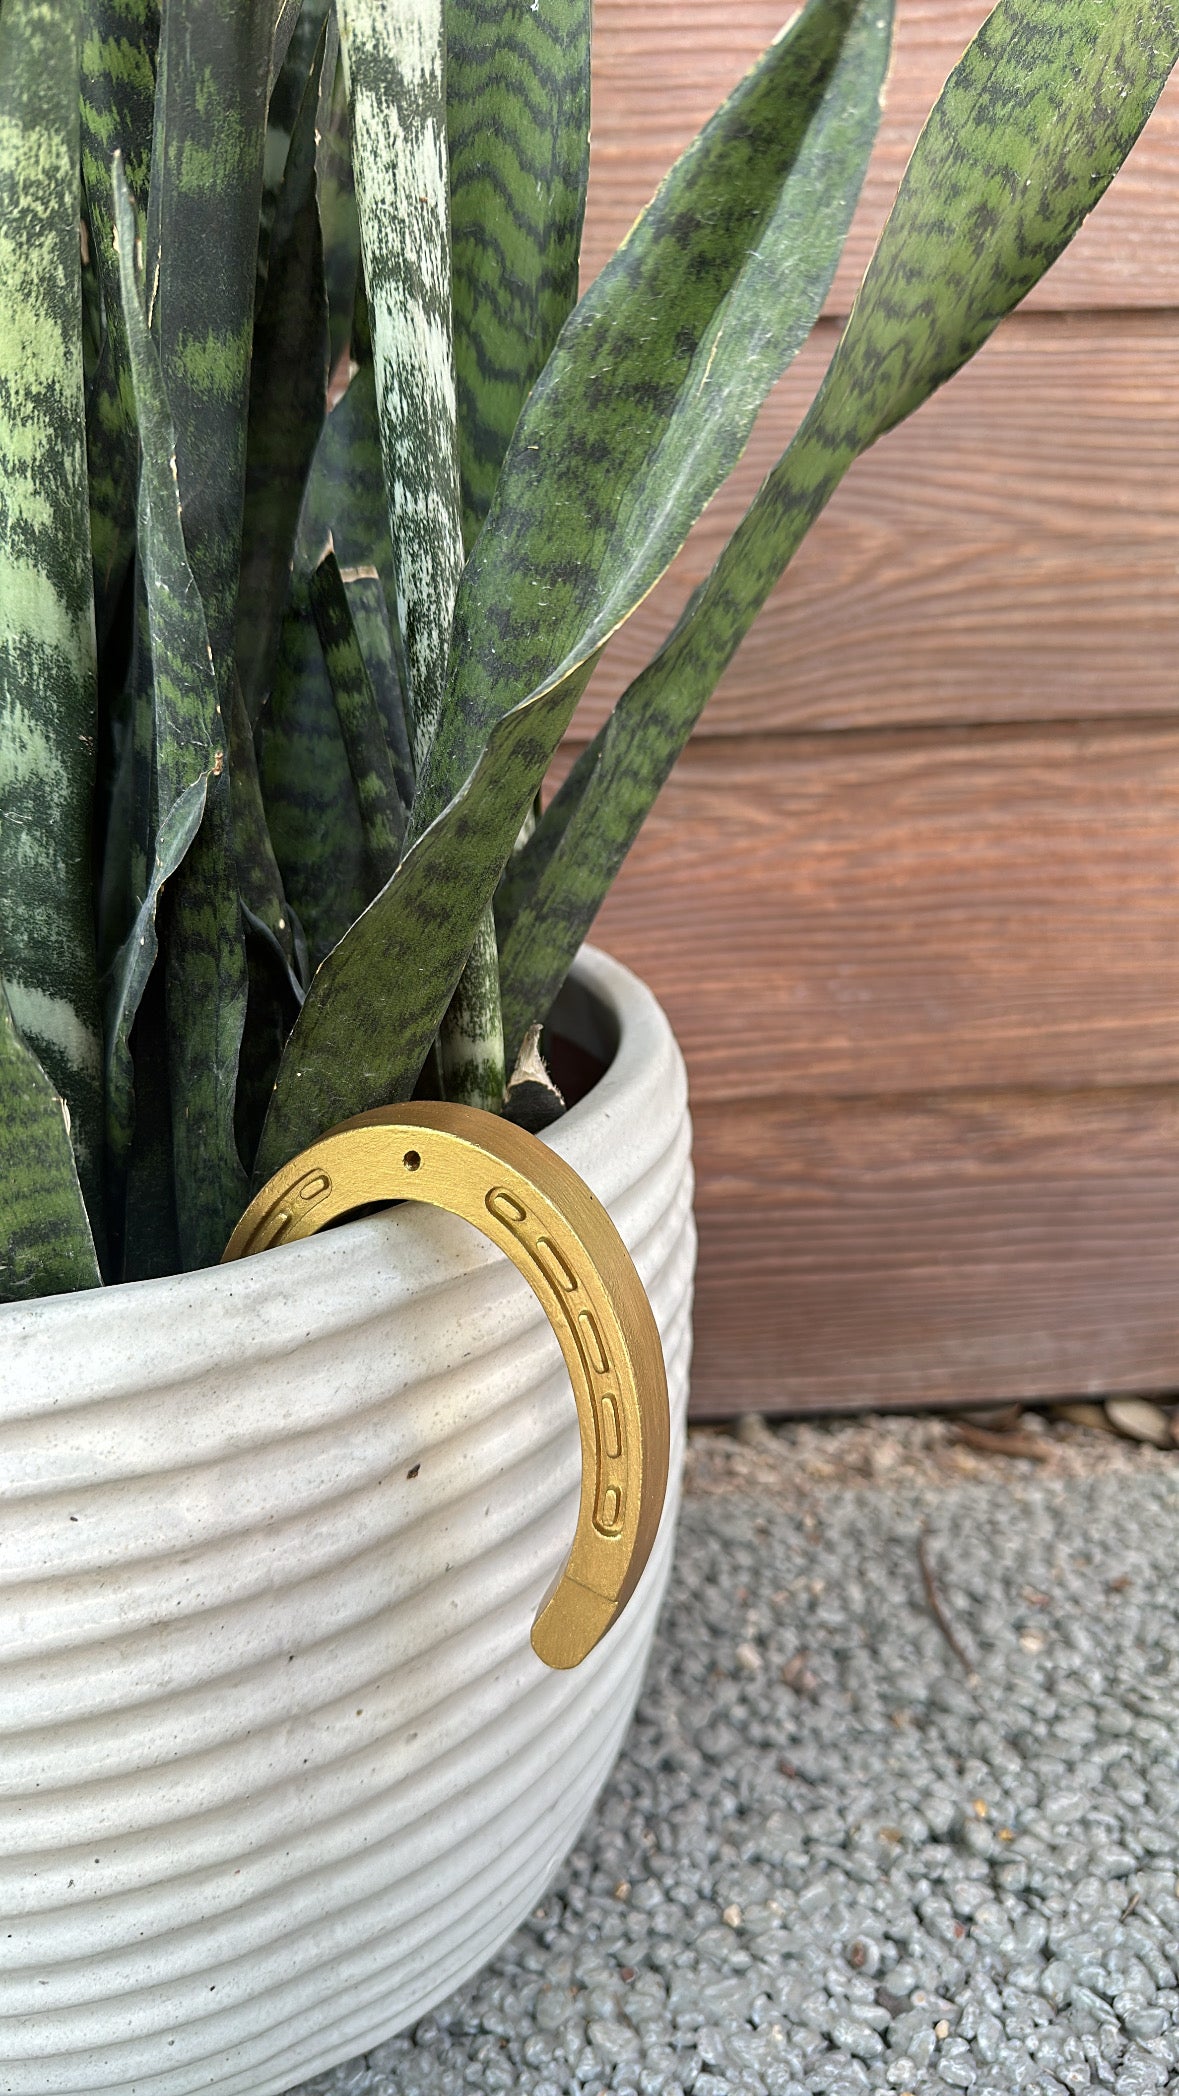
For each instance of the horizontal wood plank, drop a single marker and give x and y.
(661, 69)
(857, 914)
(1010, 553)
(924, 1251)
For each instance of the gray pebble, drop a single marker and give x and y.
(940, 1885)
(1139, 1420)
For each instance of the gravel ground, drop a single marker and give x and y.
(900, 1809)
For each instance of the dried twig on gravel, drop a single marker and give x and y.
(937, 1611)
(1037, 1446)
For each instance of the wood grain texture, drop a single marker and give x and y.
(878, 1253)
(660, 71)
(1011, 553)
(890, 914)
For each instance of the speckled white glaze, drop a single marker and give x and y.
(278, 1766)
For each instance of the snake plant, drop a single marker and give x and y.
(321, 494)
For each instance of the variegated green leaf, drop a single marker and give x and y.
(307, 790)
(259, 879)
(382, 818)
(288, 383)
(338, 217)
(202, 241)
(276, 959)
(1031, 127)
(517, 125)
(393, 51)
(118, 51)
(289, 84)
(372, 1011)
(150, 1238)
(188, 733)
(650, 394)
(206, 984)
(471, 1032)
(47, 644)
(45, 1243)
(345, 509)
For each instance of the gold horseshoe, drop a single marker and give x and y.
(534, 1206)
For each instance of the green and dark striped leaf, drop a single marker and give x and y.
(338, 218)
(201, 259)
(45, 1243)
(650, 394)
(1031, 127)
(382, 818)
(376, 1003)
(206, 984)
(394, 57)
(646, 401)
(307, 790)
(47, 640)
(517, 126)
(345, 509)
(288, 388)
(187, 729)
(118, 55)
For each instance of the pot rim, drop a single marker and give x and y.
(605, 1006)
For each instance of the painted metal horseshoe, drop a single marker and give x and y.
(534, 1206)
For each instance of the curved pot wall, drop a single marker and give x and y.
(278, 1766)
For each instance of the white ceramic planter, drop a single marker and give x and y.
(278, 1766)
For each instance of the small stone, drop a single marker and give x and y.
(1138, 1420)
(1083, 1414)
(732, 1917)
(752, 1431)
(614, 2041)
(749, 1658)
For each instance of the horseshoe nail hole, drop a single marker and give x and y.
(412, 1160)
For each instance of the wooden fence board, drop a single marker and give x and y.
(855, 914)
(964, 1249)
(1011, 553)
(661, 69)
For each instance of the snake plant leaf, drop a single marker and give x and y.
(118, 46)
(338, 216)
(393, 51)
(194, 845)
(150, 1237)
(202, 238)
(47, 640)
(288, 384)
(275, 954)
(517, 126)
(368, 1020)
(207, 985)
(188, 736)
(307, 790)
(287, 90)
(46, 1247)
(345, 509)
(382, 818)
(287, 16)
(376, 1002)
(649, 396)
(1029, 130)
(259, 879)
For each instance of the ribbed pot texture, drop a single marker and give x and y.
(278, 1766)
